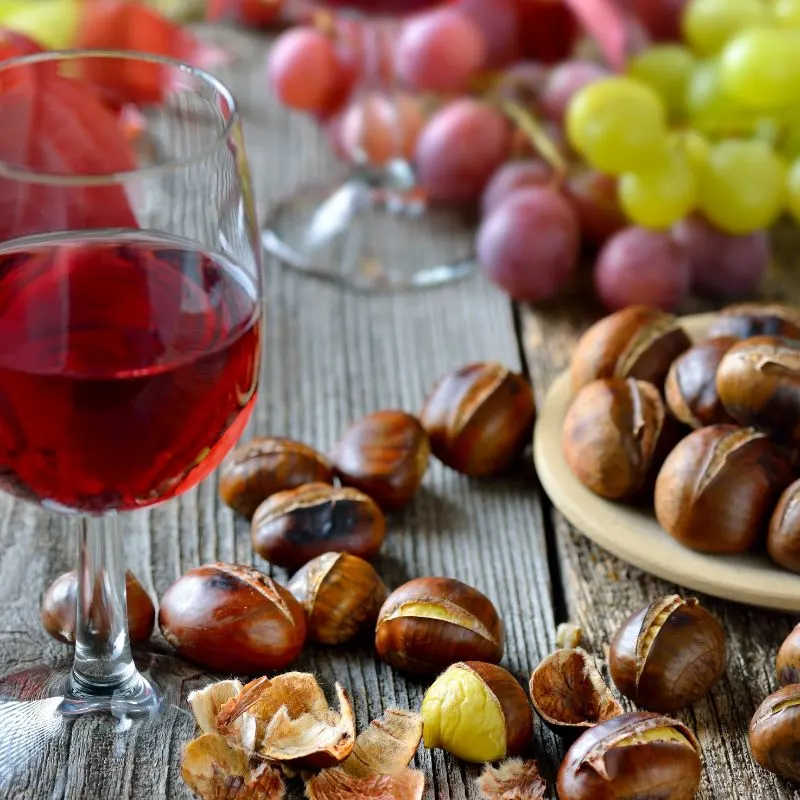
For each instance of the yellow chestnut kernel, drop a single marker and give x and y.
(444, 611)
(653, 735)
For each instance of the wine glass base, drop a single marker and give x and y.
(370, 238)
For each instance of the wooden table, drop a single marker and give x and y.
(332, 356)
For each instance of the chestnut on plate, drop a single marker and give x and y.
(783, 536)
(775, 733)
(746, 320)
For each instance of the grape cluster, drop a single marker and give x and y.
(672, 168)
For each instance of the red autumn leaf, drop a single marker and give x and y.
(56, 126)
(609, 24)
(13, 45)
(256, 13)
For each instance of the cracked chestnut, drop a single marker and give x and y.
(233, 619)
(256, 470)
(639, 755)
(783, 536)
(668, 655)
(746, 320)
(480, 419)
(775, 733)
(787, 664)
(290, 528)
(430, 623)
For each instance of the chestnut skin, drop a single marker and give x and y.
(783, 536)
(775, 733)
(746, 320)
(233, 619)
(601, 765)
(787, 664)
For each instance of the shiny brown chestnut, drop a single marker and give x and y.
(783, 536)
(60, 607)
(385, 455)
(758, 382)
(691, 386)
(292, 527)
(775, 733)
(718, 487)
(232, 618)
(639, 755)
(480, 418)
(746, 320)
(569, 694)
(787, 664)
(668, 655)
(341, 595)
(636, 342)
(614, 437)
(430, 623)
(256, 470)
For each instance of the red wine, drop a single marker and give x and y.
(128, 369)
(389, 8)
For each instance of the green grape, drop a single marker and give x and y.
(617, 124)
(789, 141)
(742, 186)
(693, 145)
(708, 25)
(787, 13)
(665, 68)
(710, 107)
(662, 194)
(793, 190)
(761, 68)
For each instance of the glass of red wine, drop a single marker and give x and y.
(374, 231)
(130, 307)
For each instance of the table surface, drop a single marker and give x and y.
(332, 356)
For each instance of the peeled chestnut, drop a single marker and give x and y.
(718, 487)
(783, 536)
(691, 387)
(746, 320)
(775, 733)
(232, 618)
(788, 662)
(668, 655)
(60, 607)
(430, 623)
(479, 418)
(258, 469)
(638, 755)
(385, 455)
(341, 595)
(636, 342)
(613, 437)
(478, 712)
(292, 527)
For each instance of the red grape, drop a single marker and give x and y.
(564, 82)
(594, 197)
(513, 176)
(548, 29)
(459, 150)
(638, 266)
(722, 265)
(257, 13)
(660, 18)
(498, 21)
(440, 51)
(529, 244)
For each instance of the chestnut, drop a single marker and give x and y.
(787, 664)
(746, 320)
(783, 535)
(341, 595)
(569, 694)
(60, 608)
(479, 419)
(385, 455)
(292, 527)
(262, 467)
(232, 618)
(775, 733)
(718, 487)
(639, 755)
(691, 387)
(430, 623)
(613, 437)
(668, 655)
(636, 342)
(478, 712)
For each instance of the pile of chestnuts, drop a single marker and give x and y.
(709, 432)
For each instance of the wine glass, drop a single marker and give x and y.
(375, 231)
(130, 308)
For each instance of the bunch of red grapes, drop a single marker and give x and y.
(493, 110)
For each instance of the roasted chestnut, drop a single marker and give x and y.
(775, 733)
(787, 664)
(691, 387)
(341, 595)
(292, 527)
(638, 755)
(430, 623)
(385, 455)
(783, 536)
(718, 487)
(232, 618)
(258, 469)
(636, 342)
(479, 418)
(668, 655)
(746, 320)
(478, 712)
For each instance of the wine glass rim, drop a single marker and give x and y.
(27, 175)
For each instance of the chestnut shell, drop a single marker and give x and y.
(775, 733)
(746, 320)
(783, 536)
(787, 664)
